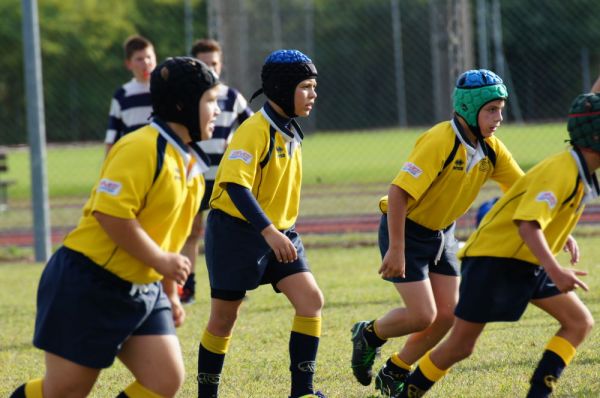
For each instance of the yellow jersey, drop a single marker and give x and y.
(553, 193)
(150, 176)
(266, 158)
(443, 174)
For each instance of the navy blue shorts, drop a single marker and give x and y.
(85, 313)
(496, 289)
(420, 251)
(239, 259)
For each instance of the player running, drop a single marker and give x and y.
(442, 177)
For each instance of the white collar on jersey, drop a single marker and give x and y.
(201, 163)
(589, 180)
(474, 154)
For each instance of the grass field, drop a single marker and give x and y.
(257, 363)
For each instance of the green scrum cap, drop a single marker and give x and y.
(584, 121)
(474, 89)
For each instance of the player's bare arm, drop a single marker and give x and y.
(282, 247)
(129, 234)
(393, 263)
(565, 279)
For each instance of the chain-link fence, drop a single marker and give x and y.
(383, 64)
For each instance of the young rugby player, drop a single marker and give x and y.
(100, 295)
(442, 177)
(131, 104)
(509, 261)
(250, 237)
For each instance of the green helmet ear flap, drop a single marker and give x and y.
(584, 121)
(473, 90)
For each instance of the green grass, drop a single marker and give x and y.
(348, 158)
(257, 364)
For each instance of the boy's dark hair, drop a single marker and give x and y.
(135, 43)
(205, 46)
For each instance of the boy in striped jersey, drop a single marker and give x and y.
(131, 105)
(234, 110)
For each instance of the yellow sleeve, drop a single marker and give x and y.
(241, 160)
(424, 164)
(126, 177)
(543, 197)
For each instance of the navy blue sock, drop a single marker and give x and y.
(19, 392)
(210, 366)
(372, 339)
(416, 383)
(546, 375)
(303, 354)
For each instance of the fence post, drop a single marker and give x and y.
(36, 129)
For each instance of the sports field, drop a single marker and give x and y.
(257, 364)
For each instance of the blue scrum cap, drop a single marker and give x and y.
(281, 73)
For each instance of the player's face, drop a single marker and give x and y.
(209, 109)
(490, 117)
(305, 96)
(142, 63)
(212, 60)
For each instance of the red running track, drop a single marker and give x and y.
(307, 225)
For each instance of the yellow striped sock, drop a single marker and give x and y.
(136, 390)
(561, 347)
(429, 369)
(310, 326)
(215, 344)
(33, 388)
(399, 362)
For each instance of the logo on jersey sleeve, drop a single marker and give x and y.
(110, 187)
(241, 155)
(548, 197)
(412, 169)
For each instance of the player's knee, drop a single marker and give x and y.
(167, 384)
(445, 318)
(171, 385)
(584, 325)
(463, 350)
(422, 319)
(314, 301)
(222, 323)
(580, 324)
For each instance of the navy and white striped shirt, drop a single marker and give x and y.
(130, 109)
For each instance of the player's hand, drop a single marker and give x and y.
(573, 248)
(174, 266)
(282, 246)
(393, 264)
(567, 280)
